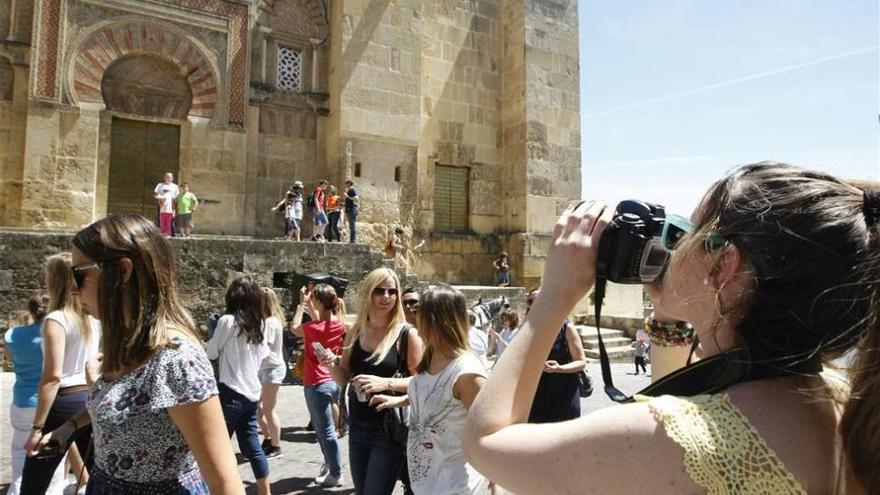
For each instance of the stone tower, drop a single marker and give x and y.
(457, 119)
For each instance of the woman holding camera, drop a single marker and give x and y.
(321, 335)
(780, 265)
(154, 408)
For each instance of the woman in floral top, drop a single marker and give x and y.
(154, 410)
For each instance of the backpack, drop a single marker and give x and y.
(310, 201)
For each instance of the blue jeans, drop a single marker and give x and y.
(351, 216)
(374, 461)
(241, 418)
(319, 399)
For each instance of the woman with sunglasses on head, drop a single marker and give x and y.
(71, 337)
(792, 284)
(321, 335)
(371, 356)
(154, 407)
(240, 343)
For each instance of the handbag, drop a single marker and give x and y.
(395, 423)
(585, 384)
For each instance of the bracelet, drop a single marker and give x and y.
(674, 334)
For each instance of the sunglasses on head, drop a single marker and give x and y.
(387, 291)
(676, 227)
(79, 273)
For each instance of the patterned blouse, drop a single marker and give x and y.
(135, 438)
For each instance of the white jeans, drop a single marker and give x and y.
(22, 419)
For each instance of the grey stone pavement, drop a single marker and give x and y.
(294, 472)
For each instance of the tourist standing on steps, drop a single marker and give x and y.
(154, 407)
(24, 349)
(319, 211)
(187, 204)
(502, 264)
(166, 212)
(778, 271)
(71, 338)
(272, 373)
(352, 208)
(240, 344)
(557, 397)
(292, 207)
(370, 358)
(448, 379)
(322, 335)
(167, 186)
(334, 211)
(398, 246)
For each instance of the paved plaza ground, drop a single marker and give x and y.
(294, 472)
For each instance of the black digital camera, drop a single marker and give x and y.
(630, 251)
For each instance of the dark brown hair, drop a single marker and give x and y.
(443, 323)
(38, 306)
(244, 301)
(816, 263)
(150, 292)
(511, 316)
(327, 295)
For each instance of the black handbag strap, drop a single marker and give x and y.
(403, 350)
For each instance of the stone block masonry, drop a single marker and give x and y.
(205, 267)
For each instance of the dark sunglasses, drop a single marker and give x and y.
(79, 273)
(379, 291)
(410, 302)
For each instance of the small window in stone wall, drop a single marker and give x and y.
(289, 69)
(451, 198)
(357, 169)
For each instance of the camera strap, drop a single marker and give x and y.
(706, 376)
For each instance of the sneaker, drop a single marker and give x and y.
(323, 474)
(266, 444)
(272, 452)
(332, 480)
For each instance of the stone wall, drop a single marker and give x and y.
(206, 266)
(13, 119)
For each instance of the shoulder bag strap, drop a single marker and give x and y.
(403, 351)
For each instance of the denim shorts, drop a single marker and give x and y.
(321, 218)
(274, 375)
(291, 223)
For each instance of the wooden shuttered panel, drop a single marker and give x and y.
(451, 198)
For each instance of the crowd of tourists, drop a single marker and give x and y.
(777, 272)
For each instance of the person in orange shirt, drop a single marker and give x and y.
(334, 214)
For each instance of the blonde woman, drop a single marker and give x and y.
(272, 373)
(449, 377)
(157, 419)
(70, 339)
(370, 358)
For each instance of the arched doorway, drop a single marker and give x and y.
(142, 151)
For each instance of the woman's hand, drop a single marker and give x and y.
(570, 270)
(33, 443)
(59, 436)
(552, 366)
(328, 359)
(382, 402)
(305, 295)
(371, 384)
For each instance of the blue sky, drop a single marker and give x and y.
(675, 93)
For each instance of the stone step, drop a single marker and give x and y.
(616, 354)
(588, 332)
(609, 343)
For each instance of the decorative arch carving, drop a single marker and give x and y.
(110, 43)
(305, 18)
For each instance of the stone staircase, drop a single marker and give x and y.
(617, 344)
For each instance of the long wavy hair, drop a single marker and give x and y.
(814, 250)
(59, 279)
(244, 301)
(443, 324)
(150, 293)
(365, 298)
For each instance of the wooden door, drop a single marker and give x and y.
(140, 155)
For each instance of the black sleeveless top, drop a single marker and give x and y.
(362, 412)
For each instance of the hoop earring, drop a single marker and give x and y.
(719, 303)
